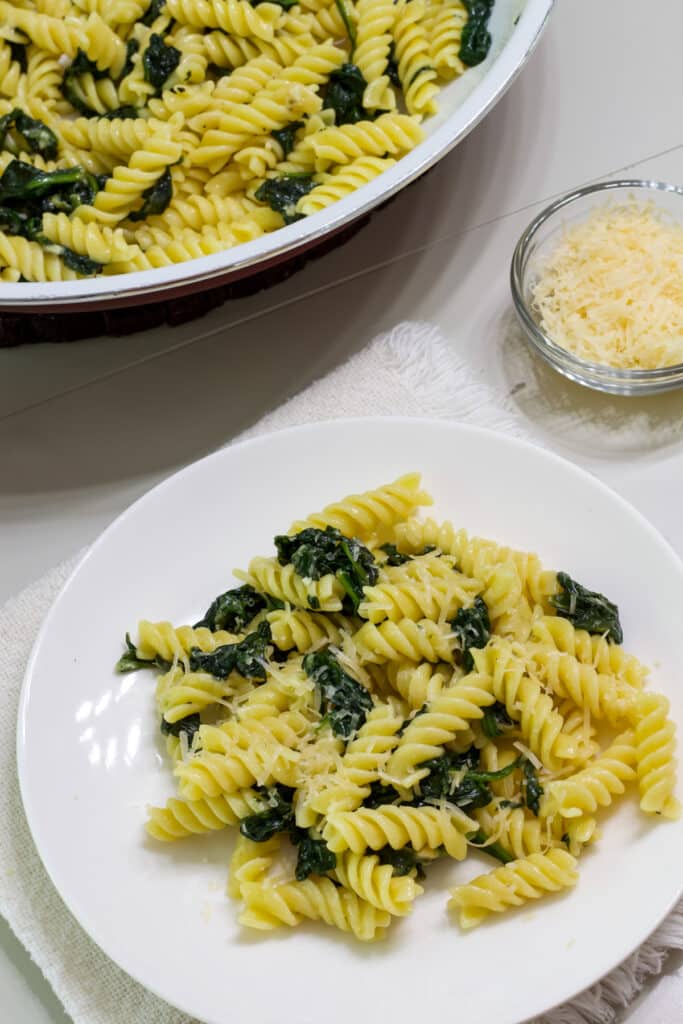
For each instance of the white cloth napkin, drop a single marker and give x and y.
(412, 372)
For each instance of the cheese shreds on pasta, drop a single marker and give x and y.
(611, 291)
(354, 758)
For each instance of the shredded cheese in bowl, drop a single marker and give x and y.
(611, 289)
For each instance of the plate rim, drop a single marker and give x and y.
(260, 440)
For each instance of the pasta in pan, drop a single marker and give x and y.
(111, 114)
(385, 691)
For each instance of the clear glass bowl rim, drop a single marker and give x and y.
(596, 375)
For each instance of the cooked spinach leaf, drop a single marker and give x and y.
(82, 265)
(403, 861)
(586, 609)
(246, 657)
(438, 783)
(394, 556)
(496, 721)
(58, 190)
(278, 817)
(475, 41)
(283, 193)
(468, 788)
(287, 136)
(16, 222)
(344, 95)
(35, 135)
(152, 12)
(472, 628)
(316, 553)
(121, 113)
(188, 725)
(314, 857)
(233, 610)
(159, 61)
(155, 198)
(380, 795)
(284, 4)
(480, 839)
(502, 773)
(532, 790)
(345, 702)
(130, 660)
(392, 66)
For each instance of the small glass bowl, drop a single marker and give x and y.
(541, 236)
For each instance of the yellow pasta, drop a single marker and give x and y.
(655, 738)
(423, 828)
(512, 885)
(152, 104)
(415, 70)
(439, 722)
(395, 690)
(596, 785)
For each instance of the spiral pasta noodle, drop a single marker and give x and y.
(54, 35)
(511, 886)
(655, 738)
(237, 17)
(181, 818)
(418, 684)
(445, 27)
(474, 555)
(282, 582)
(366, 757)
(568, 677)
(423, 640)
(596, 785)
(373, 45)
(606, 658)
(385, 690)
(412, 54)
(371, 513)
(540, 724)
(10, 72)
(101, 244)
(170, 643)
(417, 596)
(428, 733)
(423, 828)
(268, 906)
(376, 883)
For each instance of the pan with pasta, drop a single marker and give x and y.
(138, 136)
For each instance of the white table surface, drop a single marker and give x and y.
(86, 428)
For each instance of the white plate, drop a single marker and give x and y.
(515, 28)
(89, 762)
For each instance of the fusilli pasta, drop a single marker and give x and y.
(394, 690)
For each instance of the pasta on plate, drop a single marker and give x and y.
(136, 134)
(386, 690)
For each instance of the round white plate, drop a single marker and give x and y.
(89, 756)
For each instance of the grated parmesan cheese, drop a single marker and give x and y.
(529, 754)
(611, 291)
